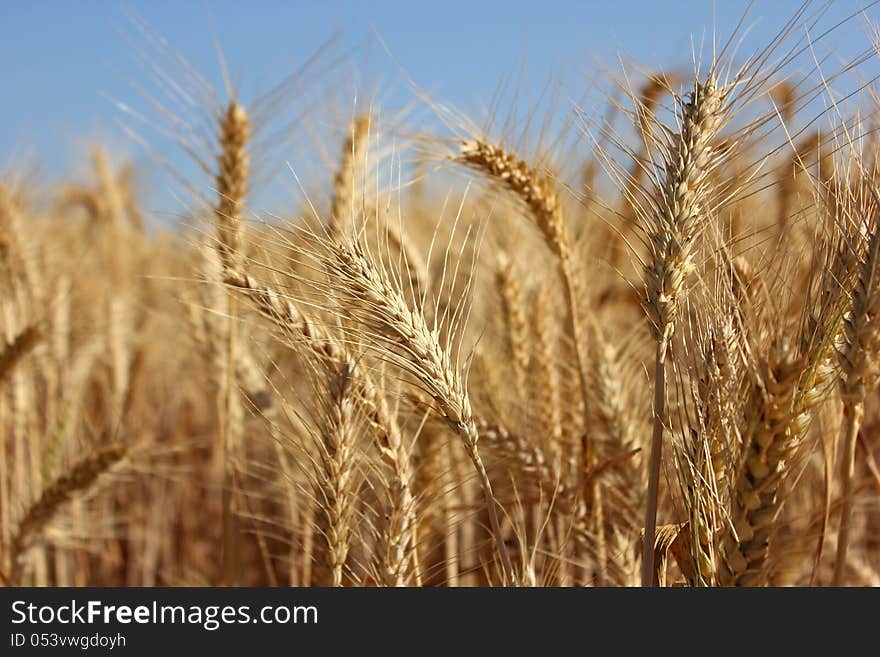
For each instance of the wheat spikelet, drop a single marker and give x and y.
(613, 418)
(680, 203)
(858, 353)
(388, 314)
(19, 253)
(527, 458)
(608, 390)
(536, 190)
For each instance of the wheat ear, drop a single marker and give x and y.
(514, 317)
(539, 194)
(790, 379)
(232, 179)
(79, 480)
(545, 376)
(341, 207)
(782, 404)
(337, 472)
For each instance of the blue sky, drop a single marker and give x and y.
(60, 61)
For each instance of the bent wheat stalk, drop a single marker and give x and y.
(538, 192)
(384, 427)
(407, 341)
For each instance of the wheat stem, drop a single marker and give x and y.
(654, 462)
(854, 414)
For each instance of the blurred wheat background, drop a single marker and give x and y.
(619, 328)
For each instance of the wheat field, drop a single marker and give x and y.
(641, 348)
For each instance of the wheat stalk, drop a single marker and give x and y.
(232, 179)
(671, 235)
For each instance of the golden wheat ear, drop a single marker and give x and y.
(344, 184)
(858, 354)
(232, 179)
(336, 476)
(78, 481)
(514, 317)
